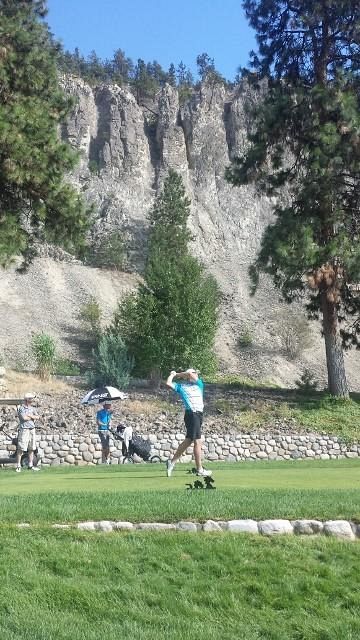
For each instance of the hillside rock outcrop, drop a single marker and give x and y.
(125, 152)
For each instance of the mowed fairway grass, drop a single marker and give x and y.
(76, 585)
(309, 489)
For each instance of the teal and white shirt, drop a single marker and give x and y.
(192, 394)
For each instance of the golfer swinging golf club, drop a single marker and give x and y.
(191, 391)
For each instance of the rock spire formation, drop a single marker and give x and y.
(125, 152)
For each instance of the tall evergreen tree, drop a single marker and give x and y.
(144, 83)
(122, 66)
(33, 195)
(306, 138)
(184, 75)
(205, 65)
(171, 75)
(96, 70)
(185, 81)
(168, 218)
(155, 71)
(171, 320)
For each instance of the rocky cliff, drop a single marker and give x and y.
(126, 150)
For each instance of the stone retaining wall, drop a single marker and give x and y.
(81, 449)
(342, 529)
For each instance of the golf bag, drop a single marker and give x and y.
(136, 445)
(140, 446)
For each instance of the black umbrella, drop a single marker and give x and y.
(101, 394)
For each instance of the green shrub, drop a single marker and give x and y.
(112, 364)
(245, 339)
(66, 367)
(44, 351)
(90, 317)
(307, 382)
(93, 167)
(110, 253)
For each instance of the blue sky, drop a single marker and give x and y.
(165, 30)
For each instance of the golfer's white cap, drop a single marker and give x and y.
(29, 396)
(192, 371)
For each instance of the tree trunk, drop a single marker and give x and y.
(155, 378)
(337, 382)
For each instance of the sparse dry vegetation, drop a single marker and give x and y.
(19, 383)
(149, 407)
(295, 334)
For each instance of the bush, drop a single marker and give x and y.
(307, 383)
(94, 167)
(295, 334)
(90, 317)
(112, 364)
(44, 351)
(245, 339)
(66, 367)
(110, 253)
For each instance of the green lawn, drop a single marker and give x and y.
(310, 489)
(70, 584)
(61, 585)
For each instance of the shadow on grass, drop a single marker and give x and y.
(320, 400)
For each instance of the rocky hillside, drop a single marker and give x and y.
(126, 150)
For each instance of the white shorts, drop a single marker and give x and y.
(26, 439)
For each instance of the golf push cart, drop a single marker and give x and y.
(136, 445)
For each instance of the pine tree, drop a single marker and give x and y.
(205, 65)
(306, 138)
(184, 75)
(155, 71)
(168, 220)
(96, 70)
(122, 66)
(33, 195)
(171, 75)
(185, 82)
(171, 320)
(144, 83)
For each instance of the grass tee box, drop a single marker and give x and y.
(291, 490)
